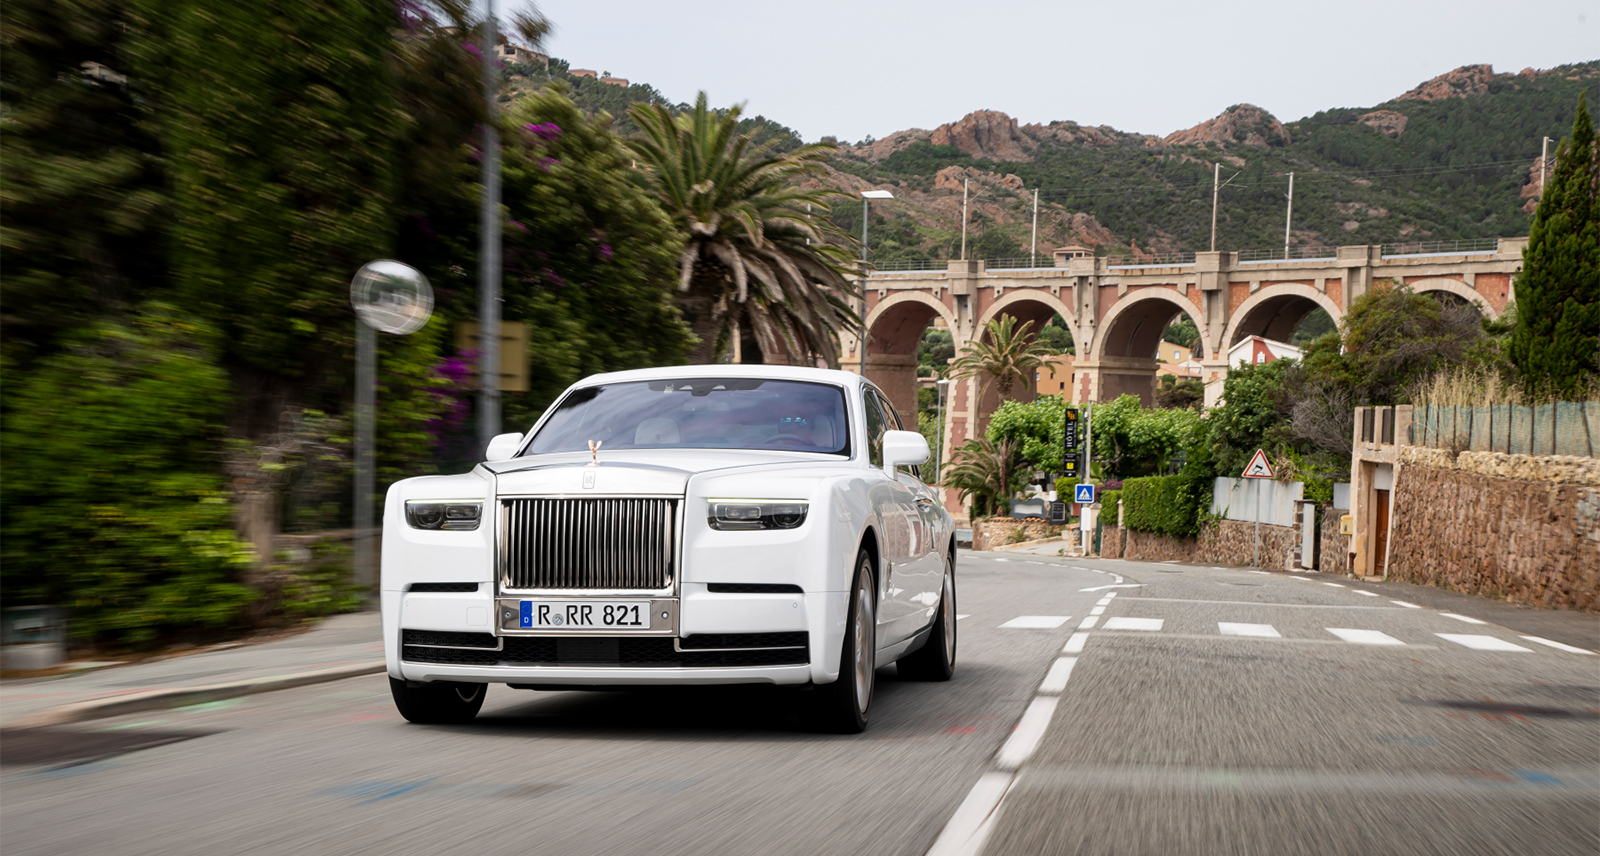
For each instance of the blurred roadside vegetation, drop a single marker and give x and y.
(188, 188)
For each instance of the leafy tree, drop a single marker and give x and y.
(935, 350)
(1188, 393)
(1556, 346)
(1182, 332)
(1037, 429)
(1253, 414)
(113, 505)
(1005, 355)
(590, 258)
(81, 183)
(753, 259)
(1131, 440)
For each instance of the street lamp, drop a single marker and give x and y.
(938, 469)
(866, 199)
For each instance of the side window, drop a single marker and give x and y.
(892, 422)
(876, 425)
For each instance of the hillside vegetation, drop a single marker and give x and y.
(1454, 158)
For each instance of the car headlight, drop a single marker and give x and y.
(746, 514)
(452, 515)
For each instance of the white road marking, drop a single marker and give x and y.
(1264, 630)
(1483, 643)
(968, 828)
(1056, 679)
(1108, 595)
(1367, 593)
(962, 615)
(1075, 643)
(1124, 585)
(1462, 618)
(1025, 738)
(1103, 601)
(1558, 645)
(1406, 605)
(1088, 622)
(1263, 573)
(1002, 560)
(1099, 610)
(1134, 623)
(1363, 637)
(1335, 585)
(1300, 579)
(1036, 622)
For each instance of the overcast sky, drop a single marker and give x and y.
(853, 68)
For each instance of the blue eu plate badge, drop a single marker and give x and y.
(527, 613)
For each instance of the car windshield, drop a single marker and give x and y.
(699, 413)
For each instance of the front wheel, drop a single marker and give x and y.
(437, 703)
(936, 659)
(844, 706)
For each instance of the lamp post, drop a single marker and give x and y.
(866, 199)
(489, 248)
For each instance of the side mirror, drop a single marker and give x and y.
(503, 447)
(901, 448)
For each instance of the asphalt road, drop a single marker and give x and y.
(1172, 739)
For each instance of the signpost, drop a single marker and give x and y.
(1258, 468)
(1071, 440)
(395, 298)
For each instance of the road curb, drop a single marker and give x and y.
(100, 708)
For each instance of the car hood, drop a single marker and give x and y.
(641, 471)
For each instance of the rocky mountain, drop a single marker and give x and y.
(1453, 158)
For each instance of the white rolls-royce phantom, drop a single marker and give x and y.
(685, 525)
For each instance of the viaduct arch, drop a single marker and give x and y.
(1117, 312)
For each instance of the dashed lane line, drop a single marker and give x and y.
(1075, 643)
(1055, 681)
(1406, 605)
(1099, 610)
(1089, 622)
(1462, 618)
(1122, 623)
(1367, 593)
(1026, 736)
(1035, 622)
(1335, 585)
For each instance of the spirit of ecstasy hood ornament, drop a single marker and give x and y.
(594, 452)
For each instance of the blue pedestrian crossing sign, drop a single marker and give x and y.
(1083, 493)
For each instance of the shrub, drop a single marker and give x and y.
(1163, 505)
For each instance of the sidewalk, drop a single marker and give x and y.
(342, 641)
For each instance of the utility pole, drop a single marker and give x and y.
(489, 249)
(1033, 248)
(964, 183)
(1544, 158)
(1216, 176)
(1288, 218)
(861, 348)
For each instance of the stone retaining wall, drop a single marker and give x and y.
(1222, 542)
(991, 532)
(1334, 553)
(1527, 540)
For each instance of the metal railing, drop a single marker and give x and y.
(1421, 248)
(1295, 253)
(1041, 261)
(1145, 260)
(907, 265)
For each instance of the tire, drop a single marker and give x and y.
(936, 660)
(845, 706)
(437, 703)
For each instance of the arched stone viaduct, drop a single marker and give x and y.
(1117, 313)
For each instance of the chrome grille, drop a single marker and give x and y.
(589, 543)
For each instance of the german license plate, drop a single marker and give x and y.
(585, 615)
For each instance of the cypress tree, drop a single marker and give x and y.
(1556, 344)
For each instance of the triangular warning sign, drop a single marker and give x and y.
(1258, 468)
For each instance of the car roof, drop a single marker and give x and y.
(798, 373)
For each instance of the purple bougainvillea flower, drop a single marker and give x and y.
(604, 252)
(519, 225)
(548, 162)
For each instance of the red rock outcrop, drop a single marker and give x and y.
(1387, 122)
(1244, 124)
(1464, 81)
(986, 134)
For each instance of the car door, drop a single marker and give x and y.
(896, 509)
(924, 577)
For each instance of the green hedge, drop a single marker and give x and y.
(1164, 505)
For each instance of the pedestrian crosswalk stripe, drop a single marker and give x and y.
(1363, 637)
(1483, 643)
(1263, 630)
(1036, 622)
(1462, 618)
(1134, 623)
(1558, 645)
(1099, 610)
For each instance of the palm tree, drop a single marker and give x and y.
(981, 471)
(1006, 354)
(745, 218)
